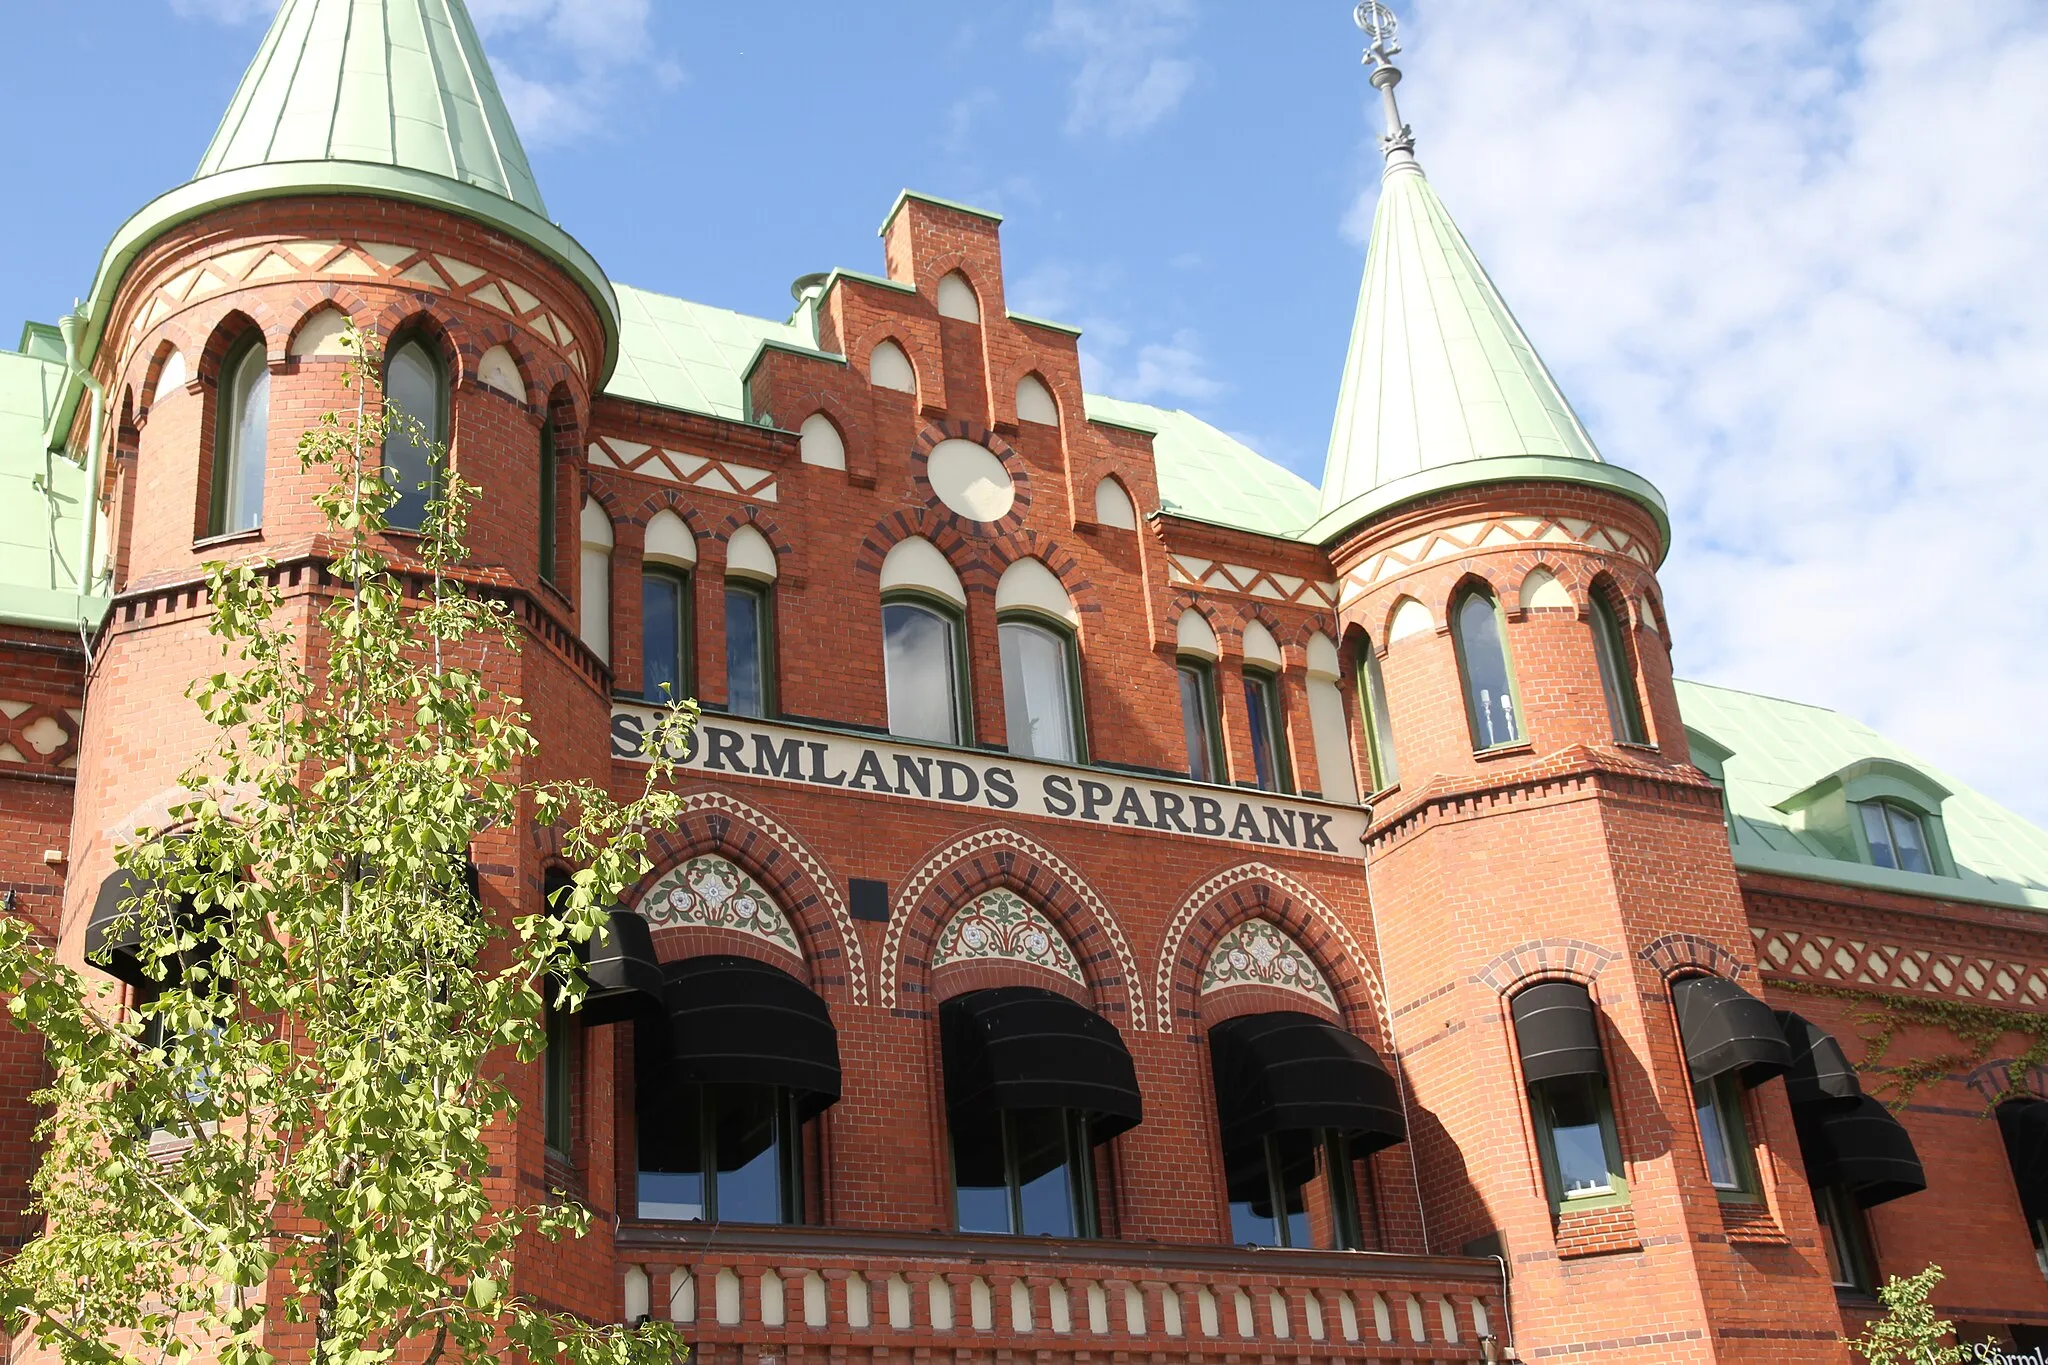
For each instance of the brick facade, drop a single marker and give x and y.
(1565, 856)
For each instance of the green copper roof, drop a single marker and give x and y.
(1781, 748)
(1210, 476)
(392, 82)
(40, 497)
(691, 356)
(1439, 373)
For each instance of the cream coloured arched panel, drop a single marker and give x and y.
(957, 300)
(1410, 618)
(1541, 589)
(320, 334)
(1261, 650)
(749, 555)
(1113, 506)
(819, 443)
(594, 616)
(889, 368)
(498, 370)
(1034, 402)
(1029, 584)
(915, 563)
(1193, 636)
(669, 541)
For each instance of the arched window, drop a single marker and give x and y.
(1490, 703)
(414, 449)
(550, 475)
(1201, 722)
(1327, 724)
(1041, 664)
(1617, 673)
(924, 655)
(1268, 721)
(1895, 836)
(1379, 717)
(749, 624)
(667, 623)
(240, 438)
(594, 620)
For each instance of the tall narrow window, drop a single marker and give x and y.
(1845, 1233)
(1041, 690)
(1557, 1034)
(1200, 725)
(1379, 730)
(925, 671)
(240, 437)
(1269, 735)
(1723, 1135)
(1617, 676)
(558, 1078)
(412, 450)
(665, 634)
(1483, 661)
(549, 471)
(1895, 836)
(749, 636)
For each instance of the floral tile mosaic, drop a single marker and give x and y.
(1001, 924)
(712, 892)
(1257, 953)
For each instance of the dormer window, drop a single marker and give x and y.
(1894, 836)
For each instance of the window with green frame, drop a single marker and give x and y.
(749, 647)
(416, 391)
(1491, 706)
(1617, 672)
(1270, 767)
(924, 664)
(667, 637)
(1845, 1234)
(550, 469)
(1564, 1066)
(1724, 1137)
(1379, 719)
(1041, 688)
(1895, 835)
(1201, 724)
(241, 435)
(558, 1079)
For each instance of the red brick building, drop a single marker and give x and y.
(1132, 904)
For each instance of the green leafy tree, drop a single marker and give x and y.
(1909, 1333)
(283, 1147)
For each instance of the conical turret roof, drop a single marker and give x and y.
(401, 83)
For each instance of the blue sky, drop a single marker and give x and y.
(1785, 256)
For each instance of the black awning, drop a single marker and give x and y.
(1285, 1071)
(1725, 1029)
(118, 950)
(621, 969)
(2024, 1124)
(736, 1021)
(1556, 1031)
(1862, 1148)
(1022, 1047)
(1821, 1073)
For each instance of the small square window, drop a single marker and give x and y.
(1895, 836)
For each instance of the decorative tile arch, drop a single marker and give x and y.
(711, 892)
(1221, 905)
(1258, 952)
(1004, 858)
(1000, 925)
(766, 851)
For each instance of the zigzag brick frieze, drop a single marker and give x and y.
(703, 472)
(1451, 541)
(1192, 571)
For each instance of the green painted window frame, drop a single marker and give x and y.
(1889, 810)
(550, 473)
(558, 1080)
(1070, 649)
(686, 629)
(1080, 1165)
(963, 694)
(226, 436)
(1379, 720)
(1267, 683)
(1473, 721)
(437, 429)
(765, 654)
(1617, 673)
(1617, 1193)
(1727, 1095)
(1845, 1238)
(1203, 671)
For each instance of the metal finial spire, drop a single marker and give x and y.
(1377, 22)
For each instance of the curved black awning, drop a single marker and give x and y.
(736, 1021)
(1284, 1071)
(1725, 1028)
(1861, 1147)
(1821, 1073)
(1556, 1031)
(118, 951)
(2024, 1125)
(1023, 1047)
(621, 970)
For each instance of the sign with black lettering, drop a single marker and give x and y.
(812, 756)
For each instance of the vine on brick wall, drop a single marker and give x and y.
(1977, 1027)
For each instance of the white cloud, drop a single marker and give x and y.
(1131, 73)
(1786, 259)
(1113, 360)
(593, 50)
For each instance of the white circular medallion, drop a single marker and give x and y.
(970, 480)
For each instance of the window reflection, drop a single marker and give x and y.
(718, 1153)
(664, 608)
(412, 387)
(921, 664)
(1482, 654)
(1024, 1171)
(748, 640)
(1038, 691)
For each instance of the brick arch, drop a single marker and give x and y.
(936, 268)
(1258, 891)
(1468, 580)
(712, 822)
(1675, 953)
(1566, 570)
(563, 413)
(853, 431)
(229, 328)
(407, 317)
(923, 357)
(1029, 368)
(941, 528)
(539, 373)
(1314, 624)
(663, 499)
(1555, 959)
(753, 516)
(1007, 549)
(995, 858)
(1437, 622)
(310, 303)
(1248, 612)
(1996, 1080)
(153, 371)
